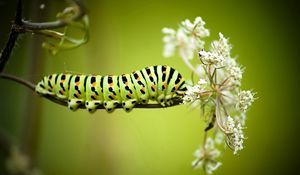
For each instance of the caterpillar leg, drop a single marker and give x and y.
(129, 104)
(161, 100)
(73, 104)
(111, 105)
(169, 100)
(143, 100)
(91, 106)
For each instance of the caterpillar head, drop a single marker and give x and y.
(181, 91)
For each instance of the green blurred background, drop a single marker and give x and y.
(125, 36)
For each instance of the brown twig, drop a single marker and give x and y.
(20, 26)
(13, 36)
(26, 83)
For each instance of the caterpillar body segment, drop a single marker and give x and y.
(77, 94)
(158, 83)
(163, 72)
(129, 93)
(151, 80)
(94, 96)
(140, 85)
(111, 93)
(60, 89)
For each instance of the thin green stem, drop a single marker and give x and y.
(189, 65)
(80, 12)
(218, 116)
(224, 108)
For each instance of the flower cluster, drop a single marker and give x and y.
(246, 98)
(218, 90)
(195, 92)
(187, 39)
(206, 157)
(19, 163)
(234, 134)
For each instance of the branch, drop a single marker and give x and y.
(31, 86)
(21, 26)
(26, 83)
(13, 36)
(80, 12)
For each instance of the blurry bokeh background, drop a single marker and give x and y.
(126, 36)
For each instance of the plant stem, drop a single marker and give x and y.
(13, 36)
(80, 12)
(26, 83)
(20, 26)
(189, 65)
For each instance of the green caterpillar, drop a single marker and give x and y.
(156, 83)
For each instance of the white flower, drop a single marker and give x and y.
(168, 31)
(230, 62)
(194, 93)
(212, 167)
(245, 100)
(206, 157)
(236, 73)
(222, 46)
(234, 134)
(217, 92)
(170, 41)
(187, 39)
(184, 44)
(202, 82)
(196, 31)
(197, 28)
(177, 40)
(211, 58)
(229, 124)
(17, 162)
(238, 138)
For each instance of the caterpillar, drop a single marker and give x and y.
(159, 83)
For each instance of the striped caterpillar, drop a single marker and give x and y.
(159, 83)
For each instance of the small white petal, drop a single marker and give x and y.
(200, 71)
(198, 20)
(168, 31)
(246, 98)
(169, 50)
(202, 82)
